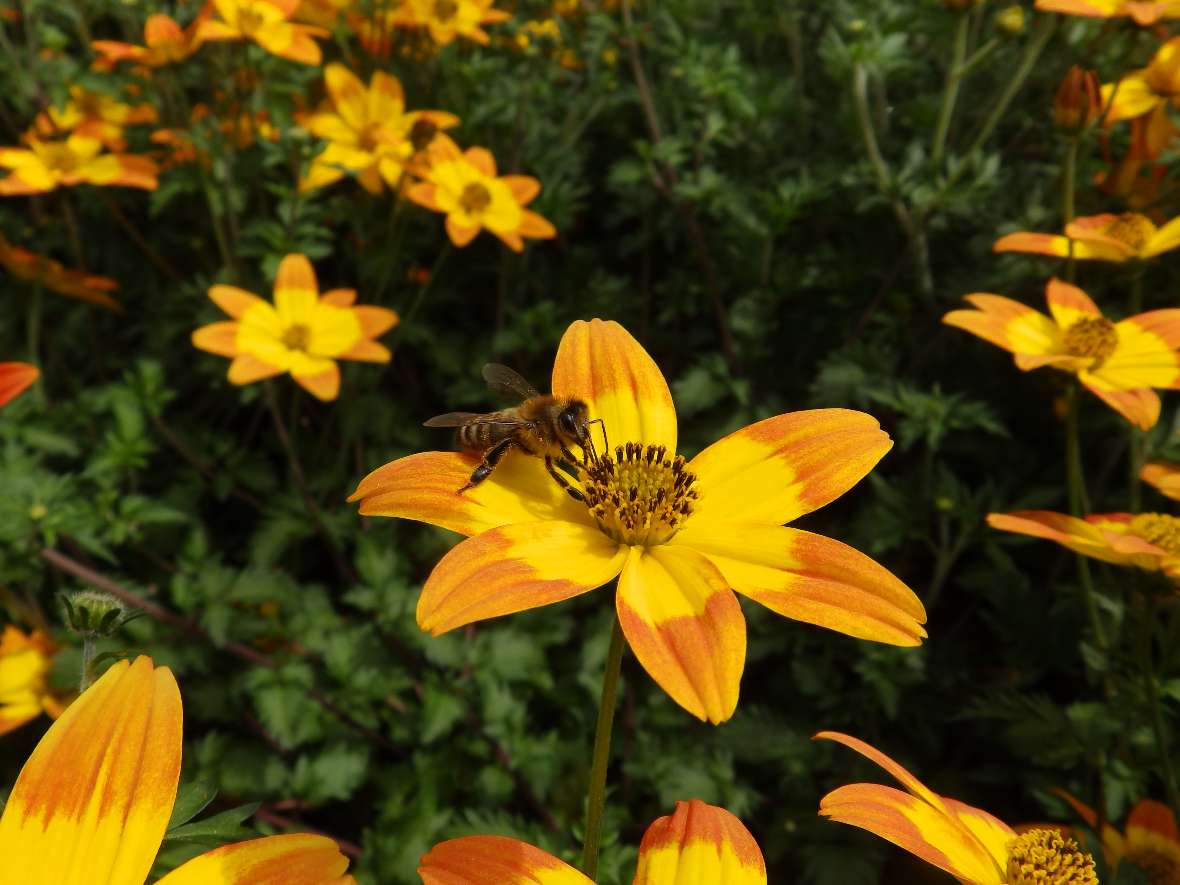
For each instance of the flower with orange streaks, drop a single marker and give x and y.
(681, 536)
(1163, 477)
(165, 43)
(1150, 841)
(303, 333)
(49, 274)
(25, 662)
(1150, 541)
(973, 846)
(265, 22)
(93, 115)
(696, 843)
(447, 19)
(1126, 237)
(15, 379)
(371, 135)
(47, 165)
(1119, 362)
(1136, 178)
(1077, 103)
(92, 803)
(466, 188)
(1144, 12)
(322, 13)
(1147, 89)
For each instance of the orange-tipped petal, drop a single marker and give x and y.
(294, 859)
(247, 368)
(536, 226)
(482, 160)
(375, 321)
(1068, 303)
(340, 298)
(1151, 818)
(1140, 406)
(1094, 536)
(515, 568)
(811, 578)
(459, 234)
(494, 860)
(896, 771)
(1007, 324)
(1039, 244)
(685, 626)
(599, 362)
(699, 843)
(296, 290)
(218, 338)
(348, 95)
(15, 379)
(426, 487)
(234, 301)
(524, 187)
(780, 468)
(93, 801)
(323, 385)
(1164, 477)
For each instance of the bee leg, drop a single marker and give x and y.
(563, 482)
(568, 458)
(490, 459)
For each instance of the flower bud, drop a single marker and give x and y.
(1078, 101)
(1010, 21)
(91, 614)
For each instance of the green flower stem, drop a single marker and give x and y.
(1152, 687)
(596, 791)
(1076, 488)
(1069, 174)
(89, 650)
(950, 92)
(1135, 435)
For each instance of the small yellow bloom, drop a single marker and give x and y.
(1150, 841)
(47, 165)
(165, 43)
(304, 333)
(1147, 89)
(265, 22)
(94, 115)
(25, 662)
(448, 19)
(1126, 237)
(1144, 12)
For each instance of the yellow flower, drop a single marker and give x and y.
(681, 536)
(49, 274)
(25, 658)
(165, 43)
(47, 165)
(15, 379)
(1144, 12)
(304, 333)
(1150, 841)
(698, 843)
(94, 115)
(1147, 89)
(92, 803)
(1126, 237)
(970, 844)
(372, 135)
(1164, 477)
(448, 19)
(265, 22)
(465, 188)
(1119, 362)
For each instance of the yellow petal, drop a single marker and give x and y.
(1008, 324)
(348, 95)
(296, 292)
(698, 844)
(295, 859)
(1068, 303)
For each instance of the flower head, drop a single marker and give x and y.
(49, 274)
(1163, 477)
(1144, 12)
(46, 165)
(1136, 177)
(15, 379)
(466, 188)
(1126, 237)
(165, 43)
(1149, 541)
(680, 535)
(92, 803)
(370, 132)
(697, 843)
(1078, 101)
(448, 19)
(1147, 89)
(265, 22)
(25, 662)
(304, 333)
(1150, 841)
(970, 844)
(1119, 362)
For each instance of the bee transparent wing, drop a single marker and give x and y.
(464, 419)
(504, 380)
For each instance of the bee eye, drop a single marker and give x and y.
(566, 420)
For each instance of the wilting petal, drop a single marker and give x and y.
(780, 468)
(1008, 324)
(699, 843)
(15, 379)
(514, 568)
(1164, 477)
(685, 626)
(599, 362)
(93, 801)
(494, 860)
(426, 487)
(295, 859)
(811, 578)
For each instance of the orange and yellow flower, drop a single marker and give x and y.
(1163, 477)
(970, 844)
(371, 134)
(448, 19)
(92, 803)
(466, 188)
(681, 536)
(1147, 89)
(1144, 12)
(93, 115)
(1126, 237)
(49, 274)
(267, 23)
(165, 43)
(1148, 541)
(15, 379)
(696, 843)
(1119, 362)
(304, 333)
(25, 662)
(47, 165)
(1137, 177)
(1150, 841)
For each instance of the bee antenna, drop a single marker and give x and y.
(605, 440)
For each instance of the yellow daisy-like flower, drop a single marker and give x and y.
(92, 803)
(25, 658)
(1150, 841)
(304, 333)
(15, 379)
(698, 843)
(47, 165)
(165, 43)
(1163, 477)
(94, 115)
(265, 22)
(371, 133)
(448, 19)
(970, 844)
(1147, 89)
(1126, 237)
(466, 188)
(1144, 12)
(1119, 362)
(681, 536)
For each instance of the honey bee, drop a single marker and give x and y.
(543, 425)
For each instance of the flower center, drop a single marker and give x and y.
(1045, 857)
(249, 21)
(1158, 529)
(422, 133)
(475, 198)
(639, 496)
(297, 337)
(1160, 867)
(444, 10)
(1093, 337)
(1131, 229)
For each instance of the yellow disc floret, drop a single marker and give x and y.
(1132, 229)
(1158, 529)
(1093, 337)
(1045, 857)
(640, 496)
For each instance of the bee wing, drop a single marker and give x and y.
(508, 381)
(463, 419)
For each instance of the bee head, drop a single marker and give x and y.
(571, 421)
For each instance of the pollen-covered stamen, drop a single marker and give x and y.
(297, 337)
(1045, 857)
(639, 495)
(1158, 529)
(1093, 337)
(475, 198)
(1131, 230)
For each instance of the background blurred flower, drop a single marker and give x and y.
(1163, 476)
(448, 19)
(15, 379)
(1145, 12)
(1147, 89)
(165, 43)
(47, 165)
(25, 662)
(1126, 237)
(46, 273)
(265, 22)
(1150, 840)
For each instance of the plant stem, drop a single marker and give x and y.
(1136, 436)
(950, 92)
(405, 319)
(89, 647)
(1069, 174)
(596, 792)
(1076, 488)
(1152, 686)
